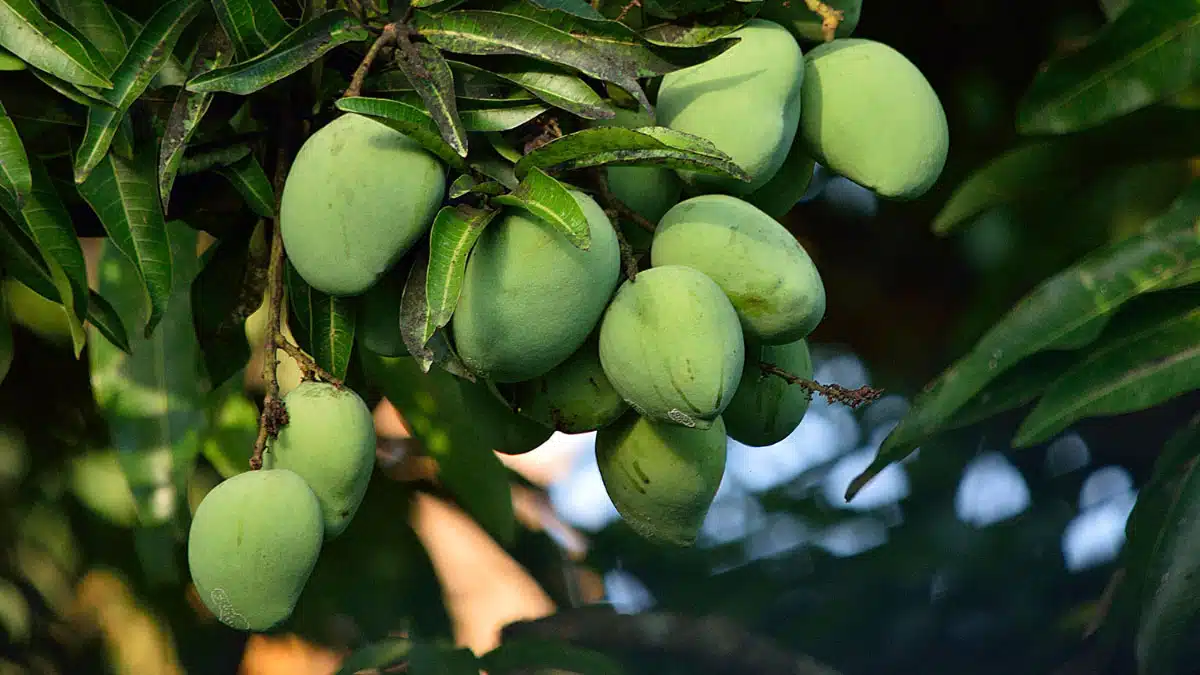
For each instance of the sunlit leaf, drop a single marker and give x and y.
(408, 119)
(15, 178)
(95, 22)
(454, 233)
(10, 62)
(28, 33)
(550, 200)
(553, 85)
(324, 325)
(499, 118)
(248, 177)
(434, 82)
(253, 26)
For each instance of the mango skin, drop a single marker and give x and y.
(871, 116)
(672, 346)
(329, 441)
(661, 477)
(530, 297)
(378, 326)
(805, 24)
(253, 543)
(765, 409)
(357, 198)
(574, 397)
(788, 186)
(768, 276)
(747, 101)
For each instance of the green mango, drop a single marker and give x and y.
(574, 397)
(765, 408)
(671, 345)
(661, 477)
(252, 545)
(746, 101)
(767, 274)
(329, 440)
(787, 187)
(359, 195)
(530, 297)
(378, 326)
(805, 24)
(871, 116)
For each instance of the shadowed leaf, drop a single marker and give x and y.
(248, 177)
(324, 324)
(253, 26)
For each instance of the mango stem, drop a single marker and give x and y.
(387, 37)
(834, 393)
(830, 18)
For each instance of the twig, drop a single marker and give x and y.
(308, 367)
(834, 393)
(385, 38)
(610, 201)
(830, 18)
(625, 10)
(629, 261)
(615, 208)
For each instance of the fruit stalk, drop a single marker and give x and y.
(387, 37)
(830, 17)
(834, 393)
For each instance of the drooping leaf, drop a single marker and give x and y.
(172, 74)
(15, 178)
(228, 289)
(455, 231)
(324, 324)
(104, 318)
(579, 8)
(499, 118)
(28, 33)
(647, 146)
(85, 96)
(550, 200)
(466, 184)
(697, 34)
(1145, 55)
(144, 59)
(1018, 387)
(248, 177)
(434, 82)
(492, 165)
(376, 656)
(529, 654)
(253, 26)
(95, 21)
(124, 196)
(300, 48)
(213, 159)
(470, 82)
(553, 85)
(416, 321)
(407, 119)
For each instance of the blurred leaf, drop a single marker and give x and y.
(551, 201)
(499, 118)
(553, 85)
(416, 322)
(616, 146)
(253, 26)
(455, 231)
(325, 324)
(232, 430)
(14, 164)
(300, 48)
(28, 33)
(145, 58)
(430, 74)
(1019, 386)
(377, 656)
(1113, 8)
(1144, 56)
(430, 659)
(524, 655)
(123, 195)
(248, 177)
(405, 118)
(96, 23)
(228, 289)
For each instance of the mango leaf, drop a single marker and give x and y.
(1133, 371)
(9, 61)
(253, 26)
(123, 195)
(579, 8)
(427, 658)
(144, 59)
(228, 289)
(248, 177)
(85, 96)
(1096, 285)
(31, 35)
(301, 47)
(1018, 387)
(232, 429)
(470, 82)
(1144, 56)
(551, 84)
(213, 52)
(434, 82)
(15, 178)
(499, 118)
(324, 324)
(523, 655)
(416, 321)
(488, 33)
(407, 119)
(466, 184)
(376, 656)
(550, 200)
(455, 231)
(172, 73)
(616, 146)
(95, 21)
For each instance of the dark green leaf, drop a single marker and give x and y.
(15, 178)
(228, 289)
(251, 181)
(145, 58)
(552, 85)
(465, 184)
(434, 82)
(525, 655)
(104, 318)
(376, 656)
(28, 33)
(123, 195)
(696, 34)
(550, 200)
(499, 118)
(1144, 56)
(213, 159)
(579, 8)
(648, 146)
(300, 48)
(430, 659)
(85, 96)
(470, 82)
(455, 231)
(253, 26)
(172, 73)
(232, 430)
(407, 119)
(416, 322)
(1018, 387)
(325, 324)
(95, 22)
(495, 167)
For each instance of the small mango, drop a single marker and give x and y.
(765, 408)
(574, 397)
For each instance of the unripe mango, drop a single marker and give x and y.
(671, 345)
(805, 24)
(530, 297)
(787, 187)
(745, 100)
(767, 274)
(357, 198)
(253, 543)
(871, 116)
(329, 441)
(765, 408)
(379, 315)
(574, 397)
(661, 477)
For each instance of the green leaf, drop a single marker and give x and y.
(324, 324)
(172, 73)
(123, 195)
(97, 24)
(408, 120)
(248, 177)
(434, 82)
(698, 34)
(15, 178)
(301, 47)
(1145, 55)
(376, 656)
(1133, 371)
(466, 184)
(488, 33)
(1096, 285)
(104, 318)
(470, 82)
(9, 61)
(253, 26)
(85, 96)
(524, 655)
(579, 8)
(228, 289)
(455, 231)
(499, 118)
(28, 33)
(616, 146)
(416, 322)
(550, 200)
(1018, 387)
(434, 659)
(145, 58)
(553, 85)
(232, 430)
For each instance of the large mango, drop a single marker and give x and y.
(574, 397)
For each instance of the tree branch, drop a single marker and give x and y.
(830, 18)
(387, 37)
(308, 367)
(834, 393)
(610, 201)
